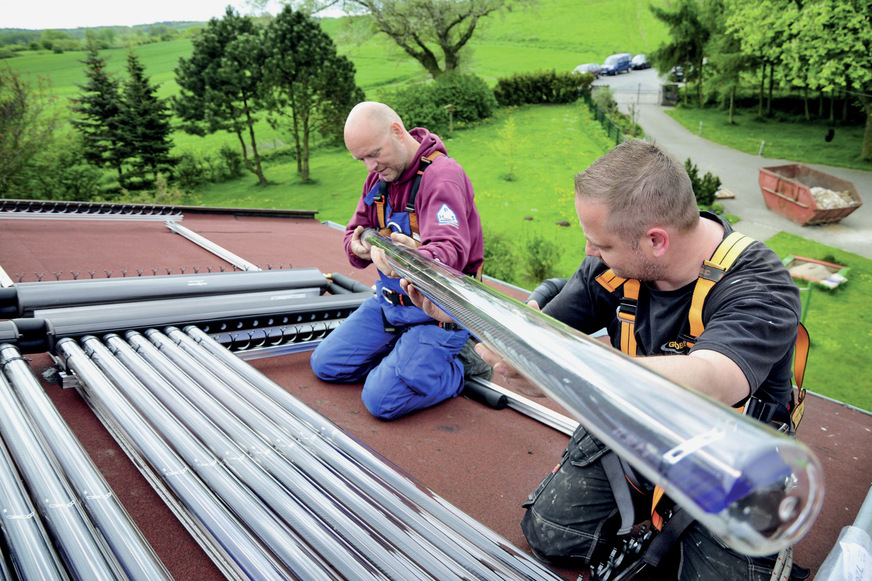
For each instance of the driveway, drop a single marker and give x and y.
(637, 93)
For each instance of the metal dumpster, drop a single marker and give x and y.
(807, 196)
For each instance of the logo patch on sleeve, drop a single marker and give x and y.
(446, 217)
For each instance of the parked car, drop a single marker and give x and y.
(639, 62)
(592, 68)
(617, 63)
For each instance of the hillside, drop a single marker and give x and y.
(523, 40)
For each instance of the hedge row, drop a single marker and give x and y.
(456, 99)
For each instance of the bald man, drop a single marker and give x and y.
(407, 360)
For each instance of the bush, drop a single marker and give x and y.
(539, 260)
(605, 100)
(703, 189)
(59, 172)
(541, 87)
(472, 99)
(425, 105)
(416, 108)
(499, 256)
(231, 161)
(162, 194)
(190, 172)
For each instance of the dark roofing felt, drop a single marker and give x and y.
(483, 461)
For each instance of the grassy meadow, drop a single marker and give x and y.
(552, 143)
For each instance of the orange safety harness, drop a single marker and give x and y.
(710, 273)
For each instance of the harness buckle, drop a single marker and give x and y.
(396, 298)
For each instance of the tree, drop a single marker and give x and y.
(762, 29)
(309, 81)
(688, 37)
(432, 32)
(145, 122)
(832, 49)
(727, 61)
(98, 117)
(26, 127)
(221, 83)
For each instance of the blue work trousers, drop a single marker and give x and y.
(407, 370)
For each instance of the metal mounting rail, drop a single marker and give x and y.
(219, 251)
(530, 408)
(49, 209)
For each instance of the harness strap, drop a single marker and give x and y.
(410, 205)
(662, 542)
(621, 490)
(656, 517)
(380, 201)
(800, 358)
(627, 315)
(710, 273)
(626, 309)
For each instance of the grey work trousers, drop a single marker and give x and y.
(572, 518)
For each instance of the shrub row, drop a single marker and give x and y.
(456, 99)
(541, 87)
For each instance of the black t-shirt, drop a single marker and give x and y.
(751, 316)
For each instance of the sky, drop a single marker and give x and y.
(56, 14)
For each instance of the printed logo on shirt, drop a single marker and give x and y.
(446, 217)
(676, 347)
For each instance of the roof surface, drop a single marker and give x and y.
(483, 461)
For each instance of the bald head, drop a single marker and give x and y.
(373, 116)
(375, 135)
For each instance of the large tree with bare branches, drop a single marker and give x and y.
(433, 32)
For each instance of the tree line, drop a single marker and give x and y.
(809, 46)
(14, 42)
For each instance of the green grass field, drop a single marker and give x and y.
(553, 143)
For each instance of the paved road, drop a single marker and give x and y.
(739, 171)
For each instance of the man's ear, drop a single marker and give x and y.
(397, 131)
(658, 241)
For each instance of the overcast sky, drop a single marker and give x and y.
(39, 14)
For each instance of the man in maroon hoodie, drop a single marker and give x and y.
(409, 360)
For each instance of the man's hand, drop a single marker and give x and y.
(419, 300)
(379, 258)
(358, 246)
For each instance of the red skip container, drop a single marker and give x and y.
(787, 191)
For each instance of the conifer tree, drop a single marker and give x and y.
(98, 117)
(145, 123)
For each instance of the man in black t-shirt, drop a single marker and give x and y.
(640, 218)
